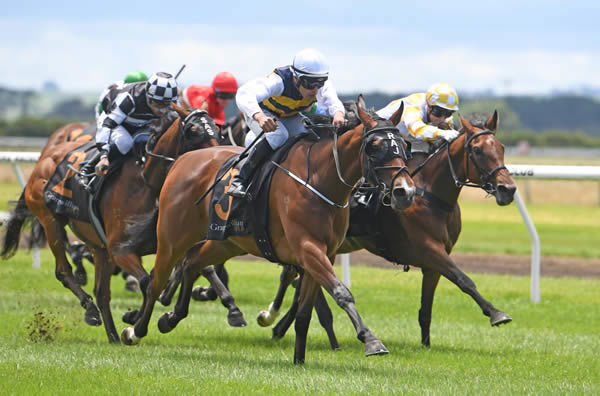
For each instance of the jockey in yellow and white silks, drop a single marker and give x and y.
(423, 113)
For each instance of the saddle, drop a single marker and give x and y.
(229, 216)
(64, 195)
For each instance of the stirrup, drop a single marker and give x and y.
(237, 190)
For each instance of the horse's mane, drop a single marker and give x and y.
(478, 119)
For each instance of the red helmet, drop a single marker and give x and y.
(225, 82)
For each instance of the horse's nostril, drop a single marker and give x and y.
(506, 189)
(399, 192)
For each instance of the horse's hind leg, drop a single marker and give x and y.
(209, 293)
(174, 281)
(75, 250)
(235, 317)
(104, 270)
(428, 286)
(56, 236)
(267, 317)
(192, 268)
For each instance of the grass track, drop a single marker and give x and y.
(550, 348)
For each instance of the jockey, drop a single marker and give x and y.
(423, 114)
(130, 110)
(214, 98)
(273, 103)
(131, 77)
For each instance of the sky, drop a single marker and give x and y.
(510, 47)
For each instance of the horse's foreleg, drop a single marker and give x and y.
(445, 265)
(235, 317)
(308, 294)
(266, 318)
(326, 319)
(132, 264)
(284, 324)
(104, 270)
(320, 267)
(428, 286)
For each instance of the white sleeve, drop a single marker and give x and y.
(328, 99)
(255, 91)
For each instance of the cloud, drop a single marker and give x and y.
(88, 57)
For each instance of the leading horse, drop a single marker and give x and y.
(424, 235)
(130, 191)
(307, 222)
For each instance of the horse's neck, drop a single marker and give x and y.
(325, 171)
(155, 169)
(440, 180)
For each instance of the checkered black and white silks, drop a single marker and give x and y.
(162, 86)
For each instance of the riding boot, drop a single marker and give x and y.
(88, 170)
(239, 185)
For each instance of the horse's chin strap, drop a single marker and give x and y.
(337, 161)
(487, 186)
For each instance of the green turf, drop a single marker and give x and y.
(550, 348)
(563, 230)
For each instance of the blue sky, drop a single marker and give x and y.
(510, 46)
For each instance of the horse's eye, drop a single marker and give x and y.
(374, 147)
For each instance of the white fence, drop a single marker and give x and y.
(517, 171)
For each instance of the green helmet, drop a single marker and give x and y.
(135, 76)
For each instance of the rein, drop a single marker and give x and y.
(486, 185)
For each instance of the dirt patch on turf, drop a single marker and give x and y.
(502, 264)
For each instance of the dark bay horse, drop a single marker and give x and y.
(306, 228)
(424, 234)
(132, 191)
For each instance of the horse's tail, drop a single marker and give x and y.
(16, 220)
(140, 234)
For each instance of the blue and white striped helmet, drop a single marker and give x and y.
(162, 86)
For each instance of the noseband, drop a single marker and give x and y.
(372, 163)
(485, 176)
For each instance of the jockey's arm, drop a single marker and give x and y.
(250, 94)
(327, 98)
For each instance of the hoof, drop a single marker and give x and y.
(235, 318)
(130, 317)
(132, 285)
(165, 299)
(375, 347)
(164, 325)
(128, 337)
(200, 293)
(92, 316)
(80, 277)
(264, 320)
(499, 318)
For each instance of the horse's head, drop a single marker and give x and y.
(196, 129)
(484, 159)
(384, 158)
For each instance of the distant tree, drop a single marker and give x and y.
(73, 109)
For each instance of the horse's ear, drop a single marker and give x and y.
(180, 110)
(360, 102)
(492, 123)
(365, 119)
(467, 126)
(397, 116)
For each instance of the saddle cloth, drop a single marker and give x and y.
(231, 216)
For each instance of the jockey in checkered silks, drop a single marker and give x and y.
(128, 111)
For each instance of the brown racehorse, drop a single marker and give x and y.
(132, 193)
(306, 229)
(424, 235)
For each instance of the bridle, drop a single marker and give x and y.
(200, 116)
(485, 176)
(372, 163)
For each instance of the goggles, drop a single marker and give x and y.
(225, 95)
(160, 103)
(438, 111)
(312, 82)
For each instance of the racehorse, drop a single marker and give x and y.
(307, 225)
(132, 193)
(424, 234)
